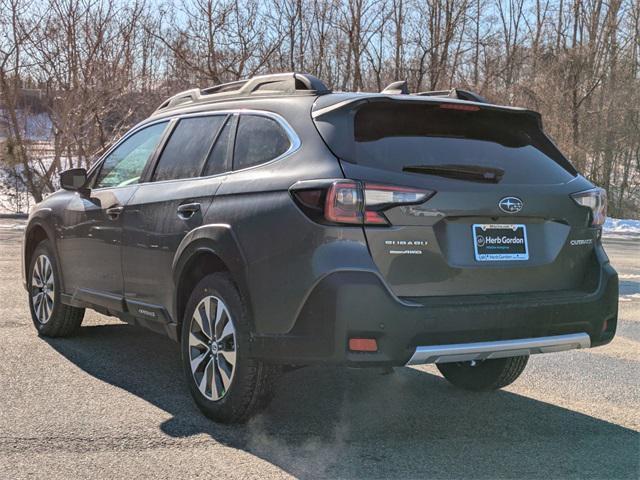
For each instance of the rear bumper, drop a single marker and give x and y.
(465, 352)
(357, 304)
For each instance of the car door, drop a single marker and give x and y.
(91, 232)
(187, 174)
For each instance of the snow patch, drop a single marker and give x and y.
(13, 226)
(620, 225)
(629, 298)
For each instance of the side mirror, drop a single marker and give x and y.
(74, 179)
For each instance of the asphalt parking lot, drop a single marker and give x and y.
(111, 403)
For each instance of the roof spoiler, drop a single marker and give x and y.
(456, 93)
(397, 88)
(400, 87)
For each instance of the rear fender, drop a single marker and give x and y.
(218, 239)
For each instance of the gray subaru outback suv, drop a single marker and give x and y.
(270, 223)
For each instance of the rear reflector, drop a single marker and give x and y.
(363, 345)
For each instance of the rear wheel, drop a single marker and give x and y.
(50, 316)
(484, 375)
(227, 385)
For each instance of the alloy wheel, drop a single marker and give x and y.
(212, 348)
(42, 289)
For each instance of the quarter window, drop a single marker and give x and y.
(125, 164)
(187, 148)
(258, 140)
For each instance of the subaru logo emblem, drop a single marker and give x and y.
(510, 204)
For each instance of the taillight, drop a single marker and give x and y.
(596, 200)
(383, 196)
(356, 203)
(344, 203)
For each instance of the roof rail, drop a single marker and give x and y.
(456, 93)
(275, 84)
(183, 97)
(397, 88)
(224, 87)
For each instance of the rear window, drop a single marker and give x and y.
(394, 136)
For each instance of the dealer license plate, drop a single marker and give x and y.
(499, 242)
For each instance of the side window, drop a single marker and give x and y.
(125, 164)
(216, 163)
(259, 139)
(188, 147)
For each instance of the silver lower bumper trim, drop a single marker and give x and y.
(464, 352)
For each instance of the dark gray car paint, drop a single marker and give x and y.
(444, 263)
(90, 242)
(447, 263)
(266, 219)
(153, 229)
(276, 254)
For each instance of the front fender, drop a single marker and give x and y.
(41, 218)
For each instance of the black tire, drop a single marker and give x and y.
(484, 375)
(61, 320)
(250, 388)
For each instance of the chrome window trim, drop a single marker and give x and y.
(465, 352)
(294, 139)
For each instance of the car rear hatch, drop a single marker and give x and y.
(501, 220)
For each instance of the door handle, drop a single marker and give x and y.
(187, 210)
(114, 212)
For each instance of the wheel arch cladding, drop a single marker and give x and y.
(205, 250)
(35, 233)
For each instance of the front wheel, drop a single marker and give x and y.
(484, 375)
(50, 316)
(227, 385)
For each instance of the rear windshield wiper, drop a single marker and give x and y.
(472, 173)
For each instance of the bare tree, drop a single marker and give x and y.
(91, 69)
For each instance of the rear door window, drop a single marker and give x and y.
(259, 139)
(188, 147)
